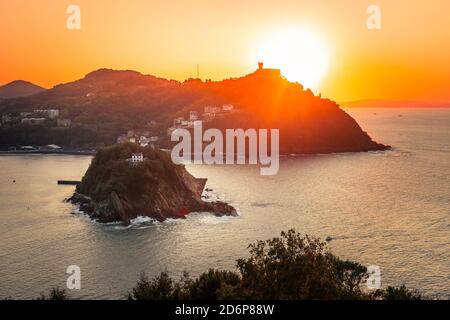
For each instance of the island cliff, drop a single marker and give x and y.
(115, 188)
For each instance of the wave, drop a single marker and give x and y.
(208, 218)
(265, 204)
(144, 222)
(141, 220)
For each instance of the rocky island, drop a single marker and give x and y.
(126, 181)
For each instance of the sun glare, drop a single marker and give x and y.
(301, 54)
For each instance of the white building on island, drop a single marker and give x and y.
(137, 158)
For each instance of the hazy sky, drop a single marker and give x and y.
(409, 58)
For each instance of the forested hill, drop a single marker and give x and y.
(106, 103)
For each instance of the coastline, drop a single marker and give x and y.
(62, 152)
(92, 152)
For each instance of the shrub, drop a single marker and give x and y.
(55, 294)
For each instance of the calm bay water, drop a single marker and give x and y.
(390, 209)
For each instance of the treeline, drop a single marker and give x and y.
(73, 137)
(289, 267)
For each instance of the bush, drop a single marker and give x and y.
(158, 288)
(400, 293)
(55, 294)
(298, 267)
(212, 285)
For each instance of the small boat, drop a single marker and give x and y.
(68, 182)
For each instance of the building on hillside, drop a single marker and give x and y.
(208, 116)
(227, 108)
(193, 116)
(53, 113)
(212, 109)
(6, 118)
(148, 141)
(137, 158)
(64, 123)
(122, 139)
(48, 113)
(152, 123)
(177, 121)
(144, 141)
(33, 121)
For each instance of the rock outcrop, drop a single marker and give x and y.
(115, 189)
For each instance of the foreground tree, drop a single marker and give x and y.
(296, 267)
(291, 266)
(55, 294)
(398, 293)
(158, 288)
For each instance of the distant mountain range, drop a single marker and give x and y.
(107, 103)
(374, 103)
(19, 88)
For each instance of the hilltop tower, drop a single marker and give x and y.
(267, 72)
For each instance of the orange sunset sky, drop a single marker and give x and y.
(408, 59)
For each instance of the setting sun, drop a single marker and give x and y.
(301, 54)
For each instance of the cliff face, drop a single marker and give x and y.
(114, 189)
(308, 124)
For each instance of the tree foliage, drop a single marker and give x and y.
(55, 294)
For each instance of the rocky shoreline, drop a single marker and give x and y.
(115, 210)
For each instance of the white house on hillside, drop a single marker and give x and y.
(137, 157)
(193, 116)
(227, 108)
(144, 141)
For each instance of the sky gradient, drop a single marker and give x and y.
(408, 59)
